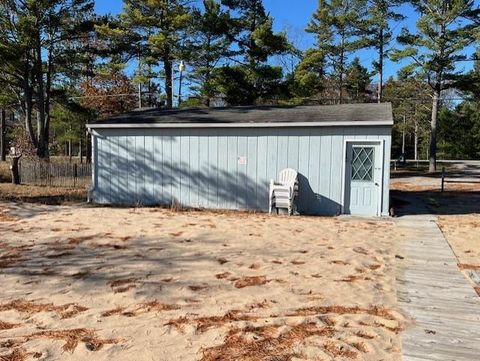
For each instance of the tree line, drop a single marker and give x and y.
(62, 65)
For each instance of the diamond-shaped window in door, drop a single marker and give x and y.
(362, 164)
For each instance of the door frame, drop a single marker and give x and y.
(381, 144)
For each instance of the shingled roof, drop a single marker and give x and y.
(345, 114)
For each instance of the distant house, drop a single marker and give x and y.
(224, 158)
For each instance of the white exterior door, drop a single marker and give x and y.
(363, 178)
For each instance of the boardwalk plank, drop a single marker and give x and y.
(436, 295)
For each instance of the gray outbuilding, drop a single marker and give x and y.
(224, 158)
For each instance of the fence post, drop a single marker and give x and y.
(443, 179)
(14, 165)
(75, 175)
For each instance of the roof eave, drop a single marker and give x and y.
(239, 125)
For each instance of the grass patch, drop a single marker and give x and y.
(43, 195)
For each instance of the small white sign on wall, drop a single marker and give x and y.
(242, 160)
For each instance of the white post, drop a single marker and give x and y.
(181, 68)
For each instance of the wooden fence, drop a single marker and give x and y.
(55, 174)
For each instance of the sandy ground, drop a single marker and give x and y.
(148, 284)
(458, 210)
(463, 234)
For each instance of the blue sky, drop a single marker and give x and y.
(294, 16)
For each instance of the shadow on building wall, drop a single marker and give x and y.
(124, 180)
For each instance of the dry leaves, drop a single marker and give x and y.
(23, 306)
(250, 281)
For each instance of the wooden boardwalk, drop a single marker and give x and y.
(436, 296)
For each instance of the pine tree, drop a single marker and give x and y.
(7, 102)
(459, 128)
(37, 41)
(376, 33)
(68, 126)
(310, 74)
(409, 96)
(335, 26)
(251, 31)
(210, 45)
(357, 80)
(152, 32)
(444, 30)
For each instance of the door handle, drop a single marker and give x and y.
(378, 185)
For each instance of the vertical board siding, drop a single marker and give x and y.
(222, 169)
(325, 165)
(194, 168)
(213, 169)
(336, 166)
(226, 168)
(101, 171)
(202, 174)
(252, 171)
(262, 170)
(231, 176)
(242, 182)
(115, 187)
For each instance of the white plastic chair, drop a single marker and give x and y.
(282, 194)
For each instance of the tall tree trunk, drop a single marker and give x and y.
(340, 81)
(208, 68)
(432, 154)
(3, 145)
(48, 88)
(28, 107)
(341, 68)
(168, 67)
(415, 135)
(42, 147)
(380, 67)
